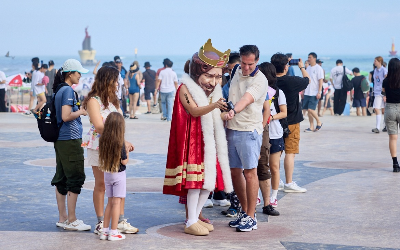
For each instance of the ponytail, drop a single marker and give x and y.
(59, 78)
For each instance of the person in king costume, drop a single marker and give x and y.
(197, 160)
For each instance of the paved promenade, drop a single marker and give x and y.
(352, 202)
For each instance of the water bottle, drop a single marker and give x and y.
(47, 119)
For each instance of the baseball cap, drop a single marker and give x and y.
(319, 61)
(73, 65)
(116, 58)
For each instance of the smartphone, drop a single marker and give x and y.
(294, 61)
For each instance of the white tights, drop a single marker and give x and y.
(196, 198)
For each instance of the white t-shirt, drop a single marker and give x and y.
(275, 128)
(316, 73)
(337, 76)
(167, 77)
(2, 78)
(37, 78)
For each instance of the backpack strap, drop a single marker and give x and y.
(234, 70)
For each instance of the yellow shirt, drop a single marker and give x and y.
(251, 117)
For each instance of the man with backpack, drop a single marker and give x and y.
(359, 83)
(340, 96)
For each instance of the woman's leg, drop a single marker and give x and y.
(41, 101)
(71, 203)
(135, 99)
(393, 145)
(202, 200)
(98, 191)
(62, 209)
(131, 105)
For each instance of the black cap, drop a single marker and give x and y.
(51, 62)
(319, 61)
(147, 64)
(116, 58)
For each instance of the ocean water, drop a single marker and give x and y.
(21, 64)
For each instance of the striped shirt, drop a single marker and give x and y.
(73, 129)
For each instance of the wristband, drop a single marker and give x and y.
(302, 68)
(234, 111)
(272, 117)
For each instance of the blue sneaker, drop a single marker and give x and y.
(235, 223)
(247, 224)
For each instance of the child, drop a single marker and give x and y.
(113, 159)
(327, 104)
(40, 89)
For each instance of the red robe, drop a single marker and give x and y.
(185, 159)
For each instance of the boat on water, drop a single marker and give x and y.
(87, 54)
(393, 52)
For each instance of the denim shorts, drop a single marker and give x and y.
(310, 102)
(243, 148)
(277, 145)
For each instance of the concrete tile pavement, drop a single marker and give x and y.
(351, 201)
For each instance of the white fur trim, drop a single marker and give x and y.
(213, 135)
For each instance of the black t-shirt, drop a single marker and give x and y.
(392, 95)
(122, 167)
(358, 94)
(291, 86)
(149, 77)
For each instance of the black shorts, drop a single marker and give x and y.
(147, 92)
(277, 145)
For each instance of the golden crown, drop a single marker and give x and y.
(223, 57)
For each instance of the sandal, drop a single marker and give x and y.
(148, 112)
(135, 117)
(318, 127)
(308, 130)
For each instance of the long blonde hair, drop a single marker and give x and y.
(111, 143)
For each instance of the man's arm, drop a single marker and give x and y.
(321, 82)
(176, 85)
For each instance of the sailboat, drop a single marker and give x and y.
(8, 55)
(392, 53)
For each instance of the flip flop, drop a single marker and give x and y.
(134, 117)
(308, 130)
(318, 128)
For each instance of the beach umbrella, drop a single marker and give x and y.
(15, 80)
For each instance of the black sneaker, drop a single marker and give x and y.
(270, 211)
(384, 129)
(396, 168)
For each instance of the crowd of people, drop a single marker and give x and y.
(227, 133)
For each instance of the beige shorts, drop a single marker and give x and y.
(93, 157)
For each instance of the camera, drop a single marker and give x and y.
(294, 61)
(229, 107)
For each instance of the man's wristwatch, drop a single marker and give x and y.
(234, 111)
(272, 117)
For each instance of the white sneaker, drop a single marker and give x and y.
(77, 225)
(62, 224)
(98, 228)
(125, 227)
(293, 188)
(118, 236)
(222, 203)
(104, 236)
(208, 204)
(281, 185)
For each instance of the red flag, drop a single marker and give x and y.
(16, 81)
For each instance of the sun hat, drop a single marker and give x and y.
(73, 65)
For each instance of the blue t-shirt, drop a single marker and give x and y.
(73, 129)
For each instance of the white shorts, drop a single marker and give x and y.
(378, 102)
(93, 157)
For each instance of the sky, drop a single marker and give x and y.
(177, 27)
